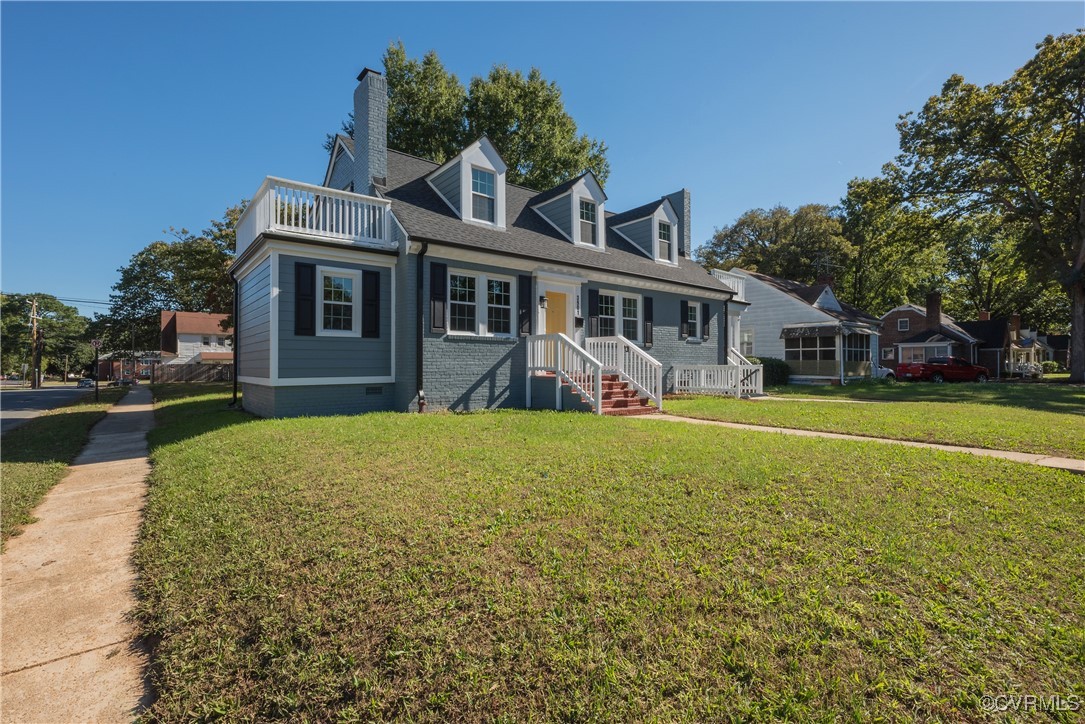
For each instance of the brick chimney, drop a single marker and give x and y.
(1015, 325)
(985, 316)
(370, 131)
(934, 311)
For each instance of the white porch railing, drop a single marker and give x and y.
(737, 282)
(570, 363)
(299, 208)
(736, 380)
(734, 357)
(631, 363)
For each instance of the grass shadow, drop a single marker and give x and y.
(184, 411)
(1060, 398)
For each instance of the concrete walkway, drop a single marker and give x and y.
(68, 651)
(1048, 461)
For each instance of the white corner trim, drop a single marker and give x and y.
(273, 367)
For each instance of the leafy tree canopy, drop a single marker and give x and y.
(1017, 149)
(63, 332)
(186, 273)
(432, 115)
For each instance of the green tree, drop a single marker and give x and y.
(800, 246)
(897, 258)
(1016, 148)
(525, 118)
(985, 271)
(186, 273)
(63, 330)
(431, 115)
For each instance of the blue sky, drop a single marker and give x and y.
(120, 120)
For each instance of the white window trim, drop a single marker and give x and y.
(673, 241)
(743, 335)
(482, 304)
(356, 301)
(618, 318)
(694, 334)
(904, 324)
(471, 196)
(577, 238)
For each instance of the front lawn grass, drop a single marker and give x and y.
(973, 420)
(36, 456)
(545, 566)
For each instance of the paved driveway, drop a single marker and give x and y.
(18, 406)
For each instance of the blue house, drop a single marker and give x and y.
(403, 284)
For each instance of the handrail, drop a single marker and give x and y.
(735, 357)
(633, 365)
(300, 208)
(570, 363)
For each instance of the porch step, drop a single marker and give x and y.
(620, 399)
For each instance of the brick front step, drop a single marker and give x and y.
(628, 411)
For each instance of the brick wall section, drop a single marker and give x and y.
(258, 399)
(370, 131)
(333, 399)
(917, 322)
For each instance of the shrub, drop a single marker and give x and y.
(776, 370)
(1050, 366)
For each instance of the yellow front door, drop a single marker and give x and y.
(555, 313)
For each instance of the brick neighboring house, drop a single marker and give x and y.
(118, 365)
(911, 333)
(195, 338)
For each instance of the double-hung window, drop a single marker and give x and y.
(588, 224)
(340, 305)
(479, 304)
(619, 314)
(693, 319)
(664, 236)
(746, 343)
(903, 325)
(483, 195)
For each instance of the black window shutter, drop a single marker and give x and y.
(704, 320)
(683, 319)
(524, 286)
(438, 296)
(593, 312)
(648, 323)
(304, 299)
(371, 304)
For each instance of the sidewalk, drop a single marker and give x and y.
(1048, 461)
(68, 651)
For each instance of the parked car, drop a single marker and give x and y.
(85, 382)
(883, 373)
(943, 369)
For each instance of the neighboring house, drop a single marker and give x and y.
(1060, 348)
(403, 284)
(1005, 348)
(118, 365)
(820, 337)
(913, 334)
(195, 338)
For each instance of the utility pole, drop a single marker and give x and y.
(35, 360)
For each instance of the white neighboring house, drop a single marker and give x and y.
(821, 338)
(196, 338)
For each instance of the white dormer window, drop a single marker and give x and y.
(665, 245)
(483, 196)
(588, 225)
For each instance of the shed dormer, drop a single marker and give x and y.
(653, 228)
(473, 184)
(576, 209)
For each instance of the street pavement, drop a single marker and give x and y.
(19, 405)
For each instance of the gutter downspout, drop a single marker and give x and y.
(418, 350)
(237, 334)
(840, 348)
(726, 332)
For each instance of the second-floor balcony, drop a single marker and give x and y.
(737, 282)
(300, 209)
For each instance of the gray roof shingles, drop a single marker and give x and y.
(425, 216)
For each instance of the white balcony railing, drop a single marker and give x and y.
(735, 380)
(298, 208)
(632, 364)
(737, 282)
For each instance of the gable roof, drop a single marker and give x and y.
(955, 329)
(196, 322)
(639, 212)
(933, 336)
(426, 217)
(810, 293)
(992, 332)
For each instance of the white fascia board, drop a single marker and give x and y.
(349, 255)
(308, 381)
(555, 270)
(252, 262)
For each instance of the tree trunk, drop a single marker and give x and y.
(1077, 330)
